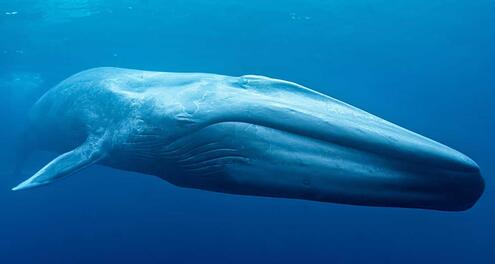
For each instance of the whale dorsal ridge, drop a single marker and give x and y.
(90, 152)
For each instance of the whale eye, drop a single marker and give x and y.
(243, 82)
(185, 118)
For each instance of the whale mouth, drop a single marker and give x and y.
(417, 171)
(293, 162)
(424, 175)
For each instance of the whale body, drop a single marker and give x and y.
(249, 135)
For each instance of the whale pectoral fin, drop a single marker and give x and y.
(66, 164)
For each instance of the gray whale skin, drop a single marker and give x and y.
(248, 135)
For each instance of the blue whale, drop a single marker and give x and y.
(248, 135)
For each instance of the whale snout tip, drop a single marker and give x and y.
(469, 164)
(476, 183)
(472, 190)
(466, 184)
(457, 161)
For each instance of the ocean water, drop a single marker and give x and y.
(428, 66)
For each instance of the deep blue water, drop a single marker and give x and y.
(427, 65)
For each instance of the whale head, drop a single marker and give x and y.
(249, 135)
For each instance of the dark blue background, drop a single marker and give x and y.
(428, 65)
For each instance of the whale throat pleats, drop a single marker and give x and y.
(90, 152)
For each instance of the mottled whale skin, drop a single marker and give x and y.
(249, 135)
